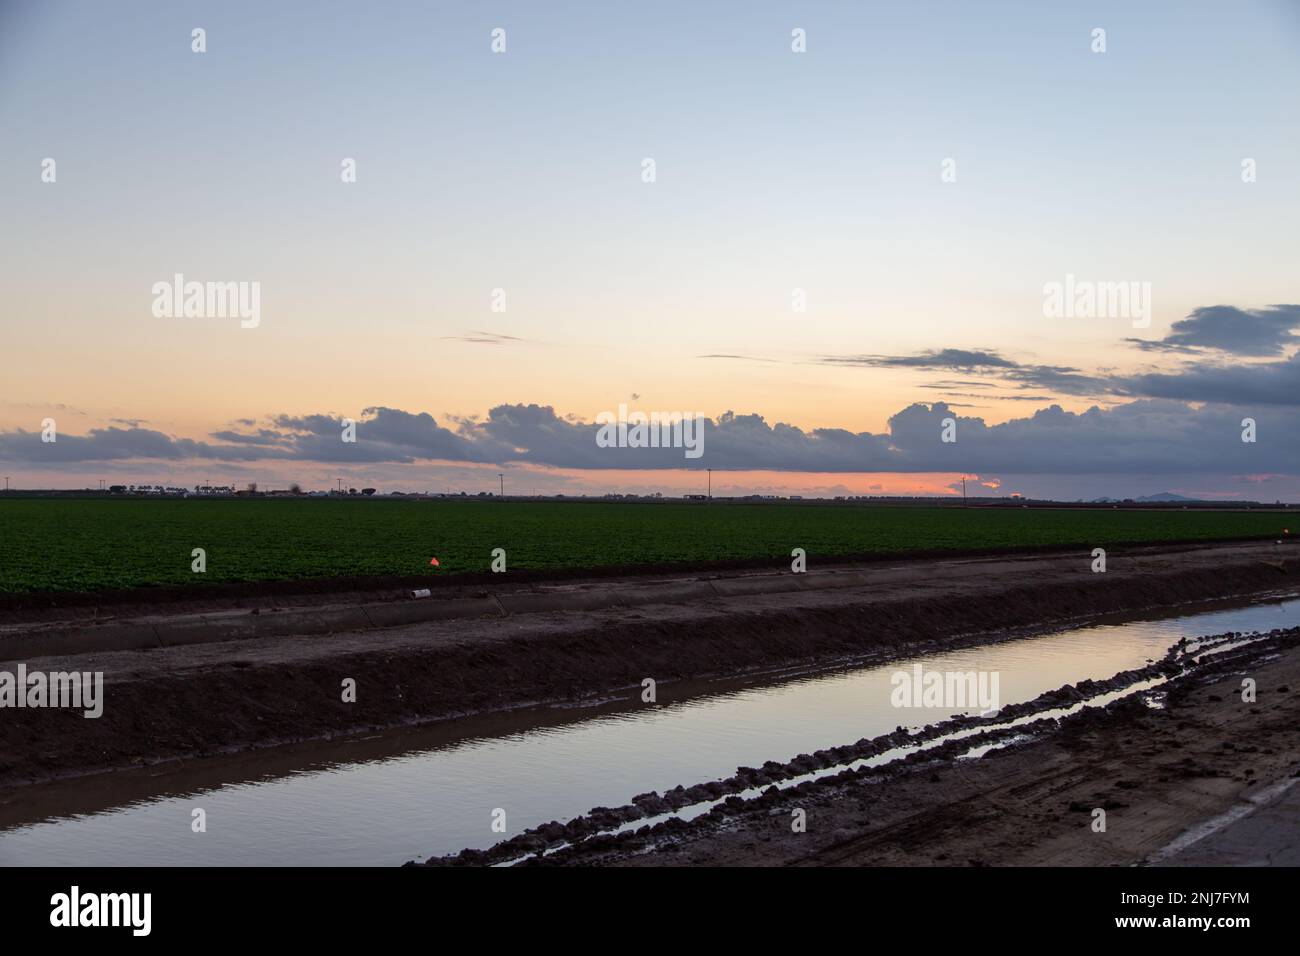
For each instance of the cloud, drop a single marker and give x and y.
(265, 437)
(958, 384)
(45, 408)
(1184, 421)
(1147, 436)
(975, 485)
(1269, 383)
(739, 358)
(1226, 328)
(990, 396)
(1061, 379)
(484, 338)
(115, 444)
(1202, 380)
(382, 434)
(959, 359)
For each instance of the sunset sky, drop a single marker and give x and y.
(775, 171)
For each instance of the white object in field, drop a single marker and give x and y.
(422, 592)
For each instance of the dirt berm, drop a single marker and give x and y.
(272, 686)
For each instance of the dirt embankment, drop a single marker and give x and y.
(1205, 754)
(190, 700)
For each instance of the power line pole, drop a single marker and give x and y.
(710, 484)
(963, 491)
(502, 478)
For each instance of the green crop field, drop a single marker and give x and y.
(91, 544)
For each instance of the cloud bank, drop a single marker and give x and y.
(1180, 421)
(1148, 436)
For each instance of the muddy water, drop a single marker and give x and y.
(394, 797)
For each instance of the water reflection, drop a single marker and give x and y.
(395, 797)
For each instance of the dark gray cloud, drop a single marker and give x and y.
(114, 444)
(1268, 383)
(1145, 437)
(1149, 436)
(1061, 379)
(958, 359)
(266, 437)
(1202, 380)
(1207, 336)
(1226, 328)
(382, 434)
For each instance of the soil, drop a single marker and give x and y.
(172, 703)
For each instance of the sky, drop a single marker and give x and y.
(841, 248)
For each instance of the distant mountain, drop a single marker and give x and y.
(1164, 496)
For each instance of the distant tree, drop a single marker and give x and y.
(252, 487)
(295, 489)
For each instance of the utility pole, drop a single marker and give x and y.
(502, 478)
(710, 484)
(340, 481)
(963, 491)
